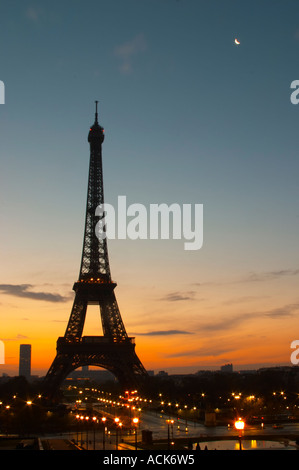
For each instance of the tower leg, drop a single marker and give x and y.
(119, 357)
(76, 322)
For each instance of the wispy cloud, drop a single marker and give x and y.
(211, 351)
(18, 337)
(228, 323)
(244, 299)
(225, 323)
(252, 277)
(164, 333)
(24, 290)
(269, 275)
(281, 312)
(128, 50)
(177, 296)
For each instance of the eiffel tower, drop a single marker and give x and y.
(114, 351)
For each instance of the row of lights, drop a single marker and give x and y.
(100, 280)
(235, 396)
(130, 398)
(117, 422)
(103, 419)
(27, 402)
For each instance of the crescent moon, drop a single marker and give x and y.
(237, 42)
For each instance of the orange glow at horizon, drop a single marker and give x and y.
(181, 335)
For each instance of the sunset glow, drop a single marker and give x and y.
(187, 121)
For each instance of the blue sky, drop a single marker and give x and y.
(189, 117)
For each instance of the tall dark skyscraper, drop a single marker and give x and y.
(115, 350)
(25, 360)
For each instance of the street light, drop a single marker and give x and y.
(94, 432)
(116, 420)
(104, 421)
(169, 421)
(81, 419)
(86, 420)
(239, 425)
(136, 421)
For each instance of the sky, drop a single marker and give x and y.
(190, 117)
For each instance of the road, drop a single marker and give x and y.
(157, 423)
(179, 429)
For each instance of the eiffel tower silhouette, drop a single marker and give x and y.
(114, 350)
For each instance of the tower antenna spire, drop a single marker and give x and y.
(96, 116)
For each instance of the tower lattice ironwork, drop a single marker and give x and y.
(114, 350)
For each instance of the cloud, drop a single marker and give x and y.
(269, 275)
(226, 323)
(126, 51)
(164, 333)
(252, 277)
(23, 290)
(177, 296)
(244, 299)
(205, 351)
(18, 337)
(234, 321)
(286, 311)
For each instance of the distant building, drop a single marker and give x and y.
(227, 368)
(25, 361)
(162, 373)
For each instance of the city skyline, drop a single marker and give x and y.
(190, 117)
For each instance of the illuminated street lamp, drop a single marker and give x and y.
(136, 421)
(239, 425)
(104, 421)
(116, 420)
(81, 420)
(77, 427)
(86, 420)
(169, 421)
(94, 418)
